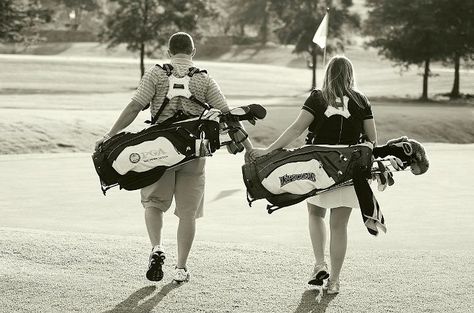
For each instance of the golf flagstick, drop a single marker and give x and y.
(320, 37)
(327, 26)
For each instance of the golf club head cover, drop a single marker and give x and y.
(251, 113)
(419, 162)
(234, 148)
(257, 111)
(410, 151)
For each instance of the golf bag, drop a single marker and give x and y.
(135, 160)
(287, 177)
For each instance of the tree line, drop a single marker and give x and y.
(408, 32)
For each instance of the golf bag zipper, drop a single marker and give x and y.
(340, 131)
(291, 156)
(125, 143)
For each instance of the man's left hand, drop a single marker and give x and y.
(101, 141)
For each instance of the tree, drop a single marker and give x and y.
(301, 18)
(405, 31)
(456, 34)
(19, 21)
(145, 25)
(257, 13)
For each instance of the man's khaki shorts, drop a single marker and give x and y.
(185, 183)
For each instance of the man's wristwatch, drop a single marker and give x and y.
(106, 137)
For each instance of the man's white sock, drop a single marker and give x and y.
(158, 248)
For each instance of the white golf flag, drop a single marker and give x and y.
(321, 33)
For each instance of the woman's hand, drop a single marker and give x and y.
(255, 153)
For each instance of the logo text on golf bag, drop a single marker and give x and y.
(286, 179)
(148, 156)
(134, 158)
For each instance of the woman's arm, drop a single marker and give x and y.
(301, 123)
(370, 130)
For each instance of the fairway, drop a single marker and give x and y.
(67, 248)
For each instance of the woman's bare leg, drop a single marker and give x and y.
(338, 242)
(317, 231)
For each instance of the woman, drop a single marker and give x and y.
(336, 115)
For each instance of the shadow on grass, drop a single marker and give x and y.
(308, 303)
(144, 299)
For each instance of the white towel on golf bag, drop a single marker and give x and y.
(297, 178)
(146, 156)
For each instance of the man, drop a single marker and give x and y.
(185, 183)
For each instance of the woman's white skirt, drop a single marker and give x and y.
(344, 196)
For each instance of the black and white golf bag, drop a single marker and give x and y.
(136, 160)
(286, 177)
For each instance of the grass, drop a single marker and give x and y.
(108, 277)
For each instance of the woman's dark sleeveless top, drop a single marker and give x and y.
(335, 126)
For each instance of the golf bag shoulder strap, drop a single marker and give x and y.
(168, 68)
(178, 86)
(191, 72)
(195, 70)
